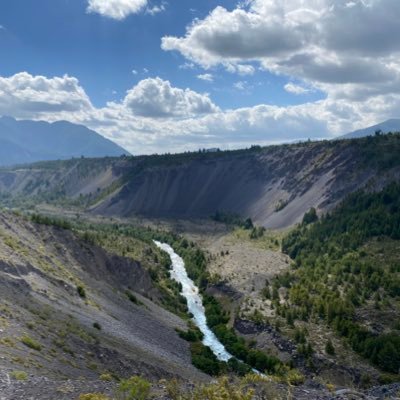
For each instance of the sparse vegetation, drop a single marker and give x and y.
(97, 326)
(135, 388)
(94, 396)
(31, 343)
(19, 375)
(81, 291)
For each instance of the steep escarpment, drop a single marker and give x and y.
(274, 186)
(56, 180)
(65, 313)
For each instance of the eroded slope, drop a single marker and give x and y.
(48, 329)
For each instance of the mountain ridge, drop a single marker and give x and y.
(390, 125)
(25, 141)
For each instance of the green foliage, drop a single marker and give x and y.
(97, 326)
(257, 232)
(334, 275)
(19, 375)
(217, 320)
(310, 216)
(31, 343)
(193, 334)
(221, 389)
(205, 360)
(329, 348)
(94, 396)
(135, 388)
(131, 297)
(81, 291)
(51, 221)
(106, 377)
(230, 218)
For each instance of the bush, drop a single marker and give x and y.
(222, 389)
(97, 326)
(329, 349)
(135, 388)
(81, 291)
(205, 360)
(131, 297)
(106, 377)
(19, 375)
(94, 396)
(310, 216)
(192, 335)
(31, 343)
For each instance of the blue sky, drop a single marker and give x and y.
(177, 75)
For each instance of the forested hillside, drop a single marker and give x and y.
(347, 274)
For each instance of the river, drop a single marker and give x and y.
(194, 302)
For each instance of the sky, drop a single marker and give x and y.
(162, 76)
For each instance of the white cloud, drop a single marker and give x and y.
(154, 116)
(241, 69)
(240, 85)
(116, 9)
(308, 41)
(156, 98)
(206, 77)
(134, 72)
(187, 65)
(296, 89)
(156, 9)
(26, 96)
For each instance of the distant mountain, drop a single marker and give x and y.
(28, 141)
(391, 125)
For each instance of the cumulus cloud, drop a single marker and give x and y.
(154, 116)
(241, 69)
(206, 77)
(116, 9)
(295, 89)
(339, 47)
(154, 97)
(26, 96)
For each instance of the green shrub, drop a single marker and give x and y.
(31, 343)
(81, 291)
(135, 388)
(205, 360)
(106, 377)
(131, 297)
(97, 326)
(19, 375)
(329, 349)
(94, 396)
